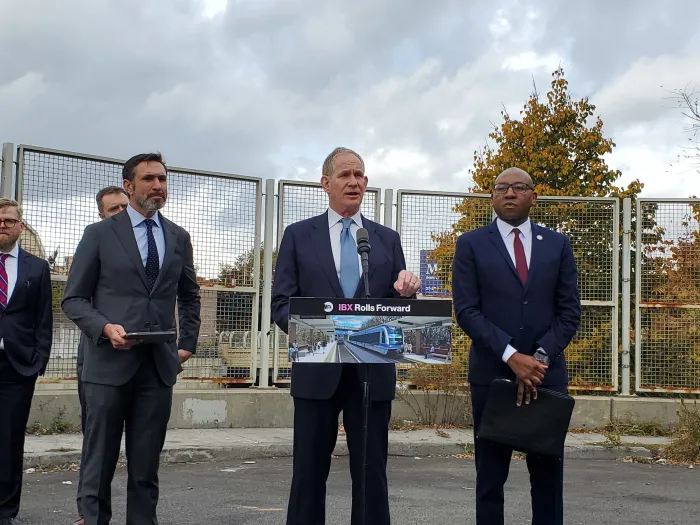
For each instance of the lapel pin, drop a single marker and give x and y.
(539, 237)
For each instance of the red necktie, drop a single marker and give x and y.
(3, 280)
(520, 260)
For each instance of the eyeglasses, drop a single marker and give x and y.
(518, 187)
(9, 223)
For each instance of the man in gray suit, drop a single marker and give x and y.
(127, 273)
(110, 201)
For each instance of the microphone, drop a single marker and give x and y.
(363, 249)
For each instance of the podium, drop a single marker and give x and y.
(369, 331)
(366, 331)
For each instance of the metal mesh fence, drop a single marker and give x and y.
(667, 332)
(430, 222)
(298, 201)
(592, 226)
(222, 214)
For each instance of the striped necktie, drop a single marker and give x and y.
(3, 280)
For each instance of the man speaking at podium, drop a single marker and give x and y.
(318, 258)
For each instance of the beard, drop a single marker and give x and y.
(7, 242)
(151, 204)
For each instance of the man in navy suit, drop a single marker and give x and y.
(515, 295)
(318, 258)
(26, 324)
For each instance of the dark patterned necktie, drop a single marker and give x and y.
(152, 263)
(520, 259)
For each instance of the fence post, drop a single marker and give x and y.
(388, 208)
(626, 263)
(8, 161)
(268, 248)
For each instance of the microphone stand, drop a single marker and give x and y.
(363, 248)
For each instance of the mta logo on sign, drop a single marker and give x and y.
(431, 269)
(431, 284)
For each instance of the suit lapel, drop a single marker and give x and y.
(371, 234)
(170, 240)
(121, 224)
(22, 272)
(321, 238)
(376, 256)
(535, 254)
(497, 240)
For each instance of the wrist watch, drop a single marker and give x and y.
(542, 356)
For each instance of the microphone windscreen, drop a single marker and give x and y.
(362, 235)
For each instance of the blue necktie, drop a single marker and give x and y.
(152, 262)
(349, 269)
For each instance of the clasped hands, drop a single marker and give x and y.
(530, 373)
(116, 335)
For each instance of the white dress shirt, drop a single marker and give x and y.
(335, 228)
(11, 269)
(506, 231)
(141, 234)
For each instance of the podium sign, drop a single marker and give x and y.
(401, 331)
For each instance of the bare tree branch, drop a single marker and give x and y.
(688, 100)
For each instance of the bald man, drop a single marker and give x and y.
(515, 293)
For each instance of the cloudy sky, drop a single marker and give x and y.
(267, 88)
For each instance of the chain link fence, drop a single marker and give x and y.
(221, 212)
(430, 222)
(297, 201)
(667, 323)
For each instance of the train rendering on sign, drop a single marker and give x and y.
(381, 339)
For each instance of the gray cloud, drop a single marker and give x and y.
(267, 88)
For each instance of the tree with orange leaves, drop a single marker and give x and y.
(561, 144)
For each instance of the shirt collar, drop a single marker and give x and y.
(505, 229)
(334, 218)
(14, 252)
(136, 218)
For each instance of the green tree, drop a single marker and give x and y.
(560, 142)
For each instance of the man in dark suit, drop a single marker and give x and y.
(110, 201)
(318, 258)
(26, 325)
(516, 296)
(126, 275)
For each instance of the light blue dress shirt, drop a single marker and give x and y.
(139, 225)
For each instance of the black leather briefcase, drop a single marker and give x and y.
(538, 428)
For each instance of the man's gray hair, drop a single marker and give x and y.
(329, 163)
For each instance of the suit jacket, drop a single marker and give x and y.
(495, 309)
(26, 324)
(107, 284)
(305, 268)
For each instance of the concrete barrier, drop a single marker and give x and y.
(274, 408)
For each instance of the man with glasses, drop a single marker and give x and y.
(26, 323)
(515, 295)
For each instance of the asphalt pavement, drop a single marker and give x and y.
(426, 490)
